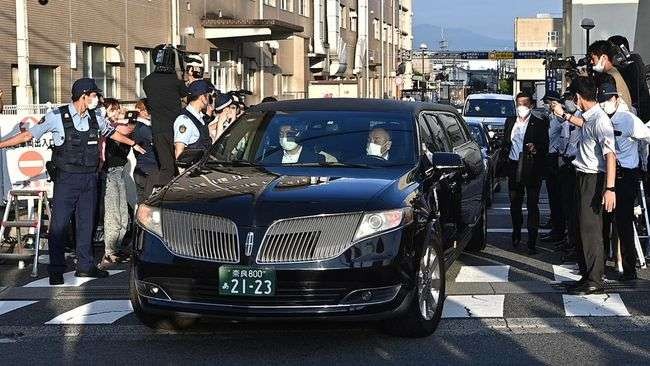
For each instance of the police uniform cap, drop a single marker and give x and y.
(606, 92)
(84, 86)
(552, 96)
(222, 101)
(199, 87)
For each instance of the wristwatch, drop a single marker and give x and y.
(611, 189)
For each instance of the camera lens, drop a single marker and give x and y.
(43, 2)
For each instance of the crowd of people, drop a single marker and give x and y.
(591, 149)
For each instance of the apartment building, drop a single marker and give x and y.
(283, 48)
(540, 33)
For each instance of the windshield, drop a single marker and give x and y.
(315, 138)
(489, 108)
(478, 135)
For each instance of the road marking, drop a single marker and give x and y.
(509, 230)
(483, 274)
(7, 306)
(594, 305)
(566, 272)
(69, 280)
(96, 312)
(474, 306)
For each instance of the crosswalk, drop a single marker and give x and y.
(500, 304)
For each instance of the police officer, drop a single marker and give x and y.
(628, 131)
(190, 129)
(76, 130)
(595, 164)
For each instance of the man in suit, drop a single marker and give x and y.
(292, 151)
(522, 160)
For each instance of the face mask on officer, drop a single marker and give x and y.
(610, 106)
(570, 106)
(93, 101)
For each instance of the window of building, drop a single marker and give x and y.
(344, 16)
(270, 2)
(43, 82)
(101, 65)
(375, 26)
(143, 67)
(286, 5)
(553, 39)
(353, 20)
(302, 7)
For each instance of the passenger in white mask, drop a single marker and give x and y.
(291, 149)
(379, 143)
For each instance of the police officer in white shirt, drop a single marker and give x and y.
(629, 130)
(190, 129)
(595, 163)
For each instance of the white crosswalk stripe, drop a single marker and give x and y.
(69, 280)
(7, 306)
(483, 274)
(594, 305)
(96, 312)
(474, 306)
(566, 272)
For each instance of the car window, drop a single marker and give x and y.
(454, 129)
(439, 139)
(489, 108)
(312, 137)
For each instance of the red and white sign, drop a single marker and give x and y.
(31, 163)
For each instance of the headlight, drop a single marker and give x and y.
(149, 218)
(376, 222)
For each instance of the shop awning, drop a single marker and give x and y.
(250, 30)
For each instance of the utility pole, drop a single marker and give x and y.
(24, 89)
(176, 37)
(261, 46)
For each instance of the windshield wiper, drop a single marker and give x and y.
(333, 163)
(232, 163)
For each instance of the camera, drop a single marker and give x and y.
(43, 2)
(572, 66)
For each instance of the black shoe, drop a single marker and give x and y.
(94, 272)
(586, 289)
(571, 285)
(552, 239)
(516, 238)
(627, 277)
(56, 279)
(532, 251)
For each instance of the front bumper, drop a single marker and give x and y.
(372, 280)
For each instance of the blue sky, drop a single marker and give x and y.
(493, 18)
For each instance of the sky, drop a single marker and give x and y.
(493, 18)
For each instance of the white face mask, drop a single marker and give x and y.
(600, 66)
(373, 149)
(609, 107)
(287, 144)
(523, 111)
(94, 101)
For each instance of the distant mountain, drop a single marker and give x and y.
(458, 39)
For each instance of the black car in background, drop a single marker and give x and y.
(347, 230)
(490, 149)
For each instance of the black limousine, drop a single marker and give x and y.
(318, 209)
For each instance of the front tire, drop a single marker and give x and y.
(425, 310)
(155, 321)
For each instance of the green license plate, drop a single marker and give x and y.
(246, 281)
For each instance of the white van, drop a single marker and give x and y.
(490, 109)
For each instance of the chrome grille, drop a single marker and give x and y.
(306, 239)
(198, 236)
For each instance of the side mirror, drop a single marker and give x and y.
(189, 157)
(444, 161)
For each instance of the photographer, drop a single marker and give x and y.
(595, 163)
(165, 88)
(634, 74)
(602, 58)
(628, 131)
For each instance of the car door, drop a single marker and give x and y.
(443, 190)
(473, 176)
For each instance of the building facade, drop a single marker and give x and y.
(541, 33)
(283, 48)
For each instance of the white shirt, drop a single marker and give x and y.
(291, 158)
(185, 130)
(630, 130)
(596, 141)
(517, 137)
(554, 132)
(569, 138)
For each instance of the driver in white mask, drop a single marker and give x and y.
(379, 143)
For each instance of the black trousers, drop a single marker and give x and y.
(554, 188)
(164, 146)
(517, 190)
(590, 188)
(623, 216)
(567, 180)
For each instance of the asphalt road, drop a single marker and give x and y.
(503, 307)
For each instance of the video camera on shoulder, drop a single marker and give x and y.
(572, 66)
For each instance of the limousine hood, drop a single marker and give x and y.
(254, 197)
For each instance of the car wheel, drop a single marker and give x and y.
(479, 236)
(425, 310)
(155, 321)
